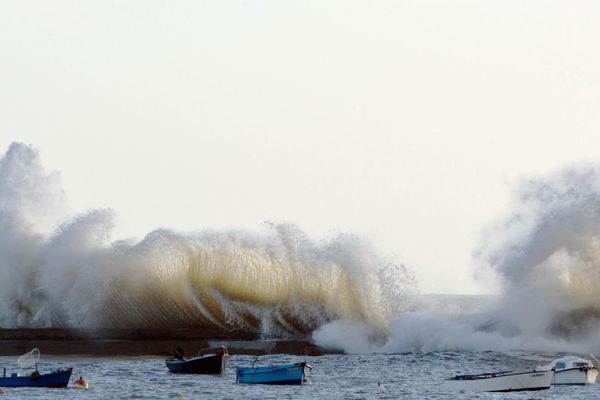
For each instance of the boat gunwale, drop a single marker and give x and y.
(270, 369)
(492, 375)
(583, 369)
(285, 374)
(203, 353)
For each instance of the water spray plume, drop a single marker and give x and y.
(67, 272)
(546, 254)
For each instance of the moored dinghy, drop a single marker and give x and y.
(210, 361)
(507, 381)
(56, 379)
(571, 370)
(282, 374)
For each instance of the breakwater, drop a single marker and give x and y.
(140, 342)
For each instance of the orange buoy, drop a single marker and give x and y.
(80, 383)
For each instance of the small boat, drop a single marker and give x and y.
(506, 381)
(56, 379)
(210, 361)
(283, 374)
(571, 370)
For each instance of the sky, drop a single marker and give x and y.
(409, 123)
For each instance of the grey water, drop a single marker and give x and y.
(341, 376)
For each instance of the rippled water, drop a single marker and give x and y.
(406, 376)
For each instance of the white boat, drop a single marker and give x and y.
(506, 381)
(571, 370)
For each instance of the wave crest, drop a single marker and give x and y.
(279, 283)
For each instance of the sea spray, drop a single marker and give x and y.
(66, 271)
(31, 204)
(349, 336)
(546, 256)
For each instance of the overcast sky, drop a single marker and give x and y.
(406, 122)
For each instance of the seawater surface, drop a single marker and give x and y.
(405, 376)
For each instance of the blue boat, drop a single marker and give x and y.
(284, 374)
(56, 379)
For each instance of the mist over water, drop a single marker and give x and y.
(62, 271)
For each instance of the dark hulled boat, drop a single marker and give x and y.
(208, 361)
(56, 379)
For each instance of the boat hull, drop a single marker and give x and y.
(211, 365)
(501, 382)
(287, 374)
(57, 379)
(576, 376)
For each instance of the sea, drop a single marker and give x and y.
(335, 376)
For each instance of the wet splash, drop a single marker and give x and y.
(62, 271)
(546, 257)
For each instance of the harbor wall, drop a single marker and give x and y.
(137, 342)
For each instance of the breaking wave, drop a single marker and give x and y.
(57, 270)
(545, 256)
(63, 271)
